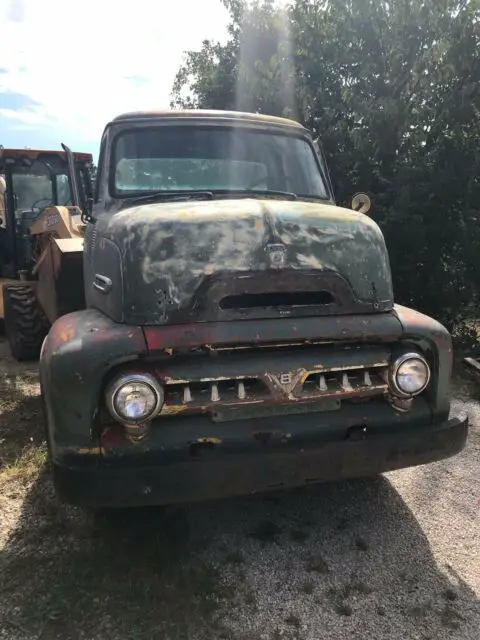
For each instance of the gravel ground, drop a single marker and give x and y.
(396, 557)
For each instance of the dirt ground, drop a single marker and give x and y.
(395, 557)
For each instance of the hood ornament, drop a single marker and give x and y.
(276, 253)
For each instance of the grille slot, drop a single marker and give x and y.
(371, 381)
(209, 392)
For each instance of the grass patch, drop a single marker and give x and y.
(132, 595)
(27, 466)
(65, 572)
(22, 443)
(128, 574)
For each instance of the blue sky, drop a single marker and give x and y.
(68, 67)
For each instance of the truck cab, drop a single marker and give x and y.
(240, 331)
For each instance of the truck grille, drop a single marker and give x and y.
(294, 386)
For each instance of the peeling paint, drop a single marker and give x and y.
(209, 440)
(171, 410)
(65, 331)
(169, 380)
(172, 248)
(92, 451)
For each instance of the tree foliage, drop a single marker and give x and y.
(392, 87)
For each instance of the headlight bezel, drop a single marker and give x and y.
(399, 362)
(124, 379)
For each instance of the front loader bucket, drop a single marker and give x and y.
(60, 277)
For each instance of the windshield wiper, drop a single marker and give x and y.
(168, 196)
(179, 196)
(265, 193)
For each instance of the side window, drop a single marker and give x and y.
(321, 158)
(64, 197)
(3, 202)
(100, 169)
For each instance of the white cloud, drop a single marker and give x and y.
(85, 62)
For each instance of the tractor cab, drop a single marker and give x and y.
(31, 182)
(43, 199)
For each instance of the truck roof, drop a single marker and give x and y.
(34, 154)
(201, 114)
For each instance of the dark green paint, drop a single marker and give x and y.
(158, 258)
(169, 250)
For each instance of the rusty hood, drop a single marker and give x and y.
(243, 258)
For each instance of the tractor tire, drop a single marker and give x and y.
(26, 324)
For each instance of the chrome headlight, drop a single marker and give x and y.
(134, 398)
(410, 375)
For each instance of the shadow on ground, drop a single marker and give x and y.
(346, 559)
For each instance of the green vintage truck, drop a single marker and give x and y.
(240, 332)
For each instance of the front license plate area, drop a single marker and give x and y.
(227, 414)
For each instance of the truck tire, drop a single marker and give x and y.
(26, 324)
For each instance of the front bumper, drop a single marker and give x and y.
(242, 456)
(215, 475)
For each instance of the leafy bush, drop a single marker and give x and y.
(392, 87)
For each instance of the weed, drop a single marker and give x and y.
(308, 587)
(266, 532)
(299, 535)
(293, 621)
(361, 544)
(450, 618)
(235, 557)
(317, 565)
(343, 609)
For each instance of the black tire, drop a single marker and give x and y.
(26, 324)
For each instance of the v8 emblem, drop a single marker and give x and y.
(287, 381)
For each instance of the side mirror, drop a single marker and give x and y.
(361, 203)
(3, 203)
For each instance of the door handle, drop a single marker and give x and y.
(102, 283)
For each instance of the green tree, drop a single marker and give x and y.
(393, 90)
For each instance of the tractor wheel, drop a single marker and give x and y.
(26, 324)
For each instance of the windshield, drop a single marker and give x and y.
(185, 158)
(36, 185)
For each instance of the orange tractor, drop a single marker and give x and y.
(41, 241)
